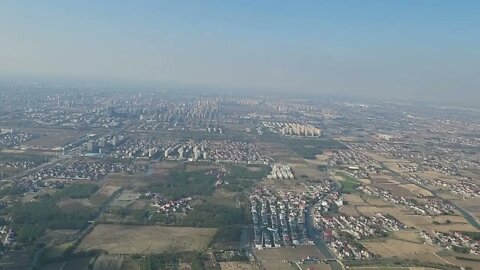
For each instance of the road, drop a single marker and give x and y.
(314, 234)
(468, 216)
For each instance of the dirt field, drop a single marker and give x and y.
(274, 258)
(108, 190)
(307, 169)
(393, 247)
(54, 139)
(391, 268)
(416, 190)
(288, 253)
(453, 219)
(349, 211)
(411, 236)
(354, 199)
(318, 266)
(470, 204)
(395, 189)
(161, 169)
(399, 213)
(464, 263)
(277, 265)
(238, 265)
(130, 239)
(72, 205)
(126, 198)
(192, 167)
(223, 197)
(376, 201)
(285, 185)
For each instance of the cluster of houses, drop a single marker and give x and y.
(452, 241)
(355, 163)
(94, 118)
(340, 232)
(360, 227)
(165, 206)
(23, 164)
(465, 189)
(278, 219)
(417, 180)
(349, 250)
(10, 138)
(350, 157)
(227, 151)
(8, 236)
(327, 203)
(84, 170)
(409, 167)
(432, 207)
(437, 206)
(280, 171)
(235, 151)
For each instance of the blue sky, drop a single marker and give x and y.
(395, 49)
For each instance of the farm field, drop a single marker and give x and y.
(391, 268)
(53, 139)
(130, 239)
(274, 258)
(317, 266)
(238, 266)
(394, 247)
(419, 222)
(463, 260)
(416, 189)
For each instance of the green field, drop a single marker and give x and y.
(349, 183)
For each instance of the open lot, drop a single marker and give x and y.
(238, 266)
(419, 222)
(126, 198)
(71, 205)
(463, 260)
(54, 138)
(402, 249)
(274, 258)
(317, 266)
(130, 239)
(410, 235)
(349, 211)
(416, 190)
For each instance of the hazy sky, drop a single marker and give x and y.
(408, 49)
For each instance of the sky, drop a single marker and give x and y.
(425, 50)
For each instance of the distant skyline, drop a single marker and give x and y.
(409, 50)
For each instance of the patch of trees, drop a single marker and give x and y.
(13, 190)
(78, 191)
(241, 177)
(172, 260)
(32, 218)
(181, 183)
(239, 171)
(214, 215)
(228, 234)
